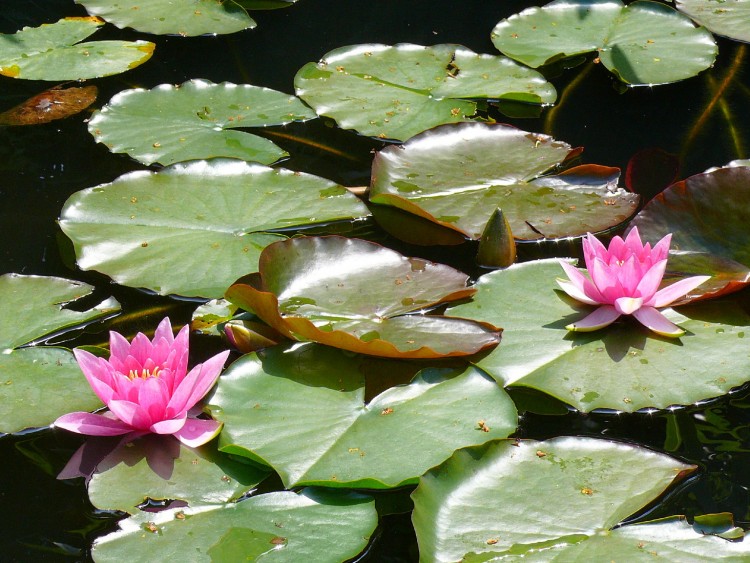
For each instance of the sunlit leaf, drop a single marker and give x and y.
(161, 468)
(194, 228)
(53, 104)
(642, 43)
(623, 366)
(195, 120)
(312, 525)
(707, 215)
(556, 500)
(730, 18)
(355, 295)
(38, 384)
(186, 17)
(302, 411)
(53, 52)
(457, 175)
(398, 91)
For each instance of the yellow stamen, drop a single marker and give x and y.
(143, 374)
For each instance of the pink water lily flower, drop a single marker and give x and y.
(624, 281)
(146, 385)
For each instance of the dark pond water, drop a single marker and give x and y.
(46, 519)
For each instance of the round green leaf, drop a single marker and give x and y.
(351, 294)
(49, 52)
(195, 120)
(624, 366)
(313, 525)
(729, 18)
(186, 17)
(534, 498)
(707, 215)
(457, 175)
(302, 411)
(194, 228)
(643, 43)
(161, 468)
(397, 91)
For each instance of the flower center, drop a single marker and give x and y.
(144, 373)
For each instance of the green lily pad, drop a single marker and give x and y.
(556, 500)
(53, 52)
(302, 411)
(457, 175)
(38, 384)
(728, 18)
(194, 228)
(707, 215)
(195, 120)
(398, 91)
(642, 43)
(312, 525)
(186, 18)
(624, 366)
(354, 294)
(161, 468)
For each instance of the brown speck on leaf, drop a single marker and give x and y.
(133, 199)
(156, 145)
(151, 527)
(340, 68)
(180, 515)
(482, 425)
(597, 60)
(455, 112)
(278, 540)
(225, 478)
(627, 400)
(514, 35)
(540, 453)
(144, 244)
(587, 491)
(195, 461)
(610, 202)
(492, 541)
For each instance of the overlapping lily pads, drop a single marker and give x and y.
(38, 384)
(730, 18)
(707, 215)
(312, 525)
(642, 43)
(397, 91)
(301, 409)
(195, 120)
(457, 175)
(53, 52)
(186, 18)
(355, 295)
(194, 228)
(624, 366)
(161, 468)
(556, 500)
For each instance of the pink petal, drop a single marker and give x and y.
(153, 397)
(169, 426)
(164, 330)
(97, 374)
(92, 424)
(633, 241)
(650, 281)
(603, 316)
(197, 383)
(665, 296)
(583, 284)
(617, 250)
(654, 320)
(131, 414)
(629, 275)
(606, 282)
(141, 348)
(118, 346)
(661, 248)
(572, 290)
(628, 305)
(593, 248)
(197, 431)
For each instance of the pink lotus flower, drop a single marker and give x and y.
(624, 281)
(147, 388)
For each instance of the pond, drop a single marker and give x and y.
(660, 134)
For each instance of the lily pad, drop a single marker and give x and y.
(312, 525)
(707, 215)
(38, 384)
(302, 411)
(194, 228)
(53, 52)
(355, 295)
(53, 104)
(642, 43)
(729, 18)
(457, 175)
(186, 18)
(556, 500)
(161, 468)
(195, 120)
(624, 366)
(397, 91)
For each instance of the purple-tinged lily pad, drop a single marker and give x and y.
(457, 175)
(355, 295)
(707, 215)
